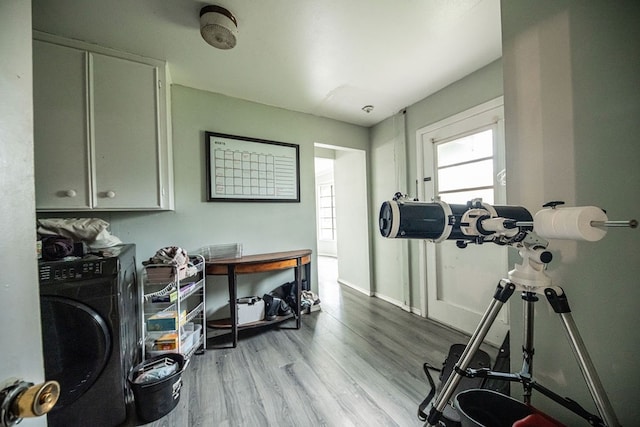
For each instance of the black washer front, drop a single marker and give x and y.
(90, 335)
(77, 342)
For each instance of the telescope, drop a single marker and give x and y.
(479, 222)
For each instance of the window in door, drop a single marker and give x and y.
(465, 168)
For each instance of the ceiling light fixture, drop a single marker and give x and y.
(367, 108)
(218, 27)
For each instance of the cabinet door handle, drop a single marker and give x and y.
(110, 194)
(71, 193)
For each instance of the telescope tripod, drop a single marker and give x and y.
(558, 301)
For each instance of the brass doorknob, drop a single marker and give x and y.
(20, 399)
(38, 399)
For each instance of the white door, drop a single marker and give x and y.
(463, 159)
(20, 339)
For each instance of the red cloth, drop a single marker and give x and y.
(536, 420)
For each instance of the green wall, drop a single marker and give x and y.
(394, 140)
(260, 227)
(572, 118)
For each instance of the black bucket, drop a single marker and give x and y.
(487, 408)
(155, 398)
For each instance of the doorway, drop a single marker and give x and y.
(342, 214)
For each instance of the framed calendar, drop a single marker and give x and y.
(244, 169)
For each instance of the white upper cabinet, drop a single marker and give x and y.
(61, 129)
(125, 134)
(101, 129)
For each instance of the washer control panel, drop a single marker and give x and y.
(68, 271)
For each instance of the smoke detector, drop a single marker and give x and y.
(218, 27)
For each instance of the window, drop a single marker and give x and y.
(327, 212)
(465, 168)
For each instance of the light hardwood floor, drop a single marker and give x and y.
(357, 362)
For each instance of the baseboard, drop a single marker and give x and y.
(417, 311)
(327, 255)
(397, 303)
(354, 287)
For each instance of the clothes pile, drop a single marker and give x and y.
(66, 237)
(173, 255)
(309, 302)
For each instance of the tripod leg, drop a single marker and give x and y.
(529, 298)
(560, 305)
(501, 295)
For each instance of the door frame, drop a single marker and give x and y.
(354, 263)
(21, 356)
(425, 276)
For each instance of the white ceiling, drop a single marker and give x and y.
(323, 57)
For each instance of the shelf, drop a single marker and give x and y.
(226, 323)
(170, 292)
(195, 347)
(188, 353)
(185, 296)
(193, 313)
(198, 285)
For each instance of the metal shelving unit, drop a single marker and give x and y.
(173, 308)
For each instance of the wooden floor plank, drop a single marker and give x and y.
(357, 362)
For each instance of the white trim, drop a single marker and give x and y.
(91, 47)
(393, 301)
(398, 304)
(464, 115)
(354, 287)
(90, 112)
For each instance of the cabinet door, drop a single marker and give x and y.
(126, 135)
(60, 127)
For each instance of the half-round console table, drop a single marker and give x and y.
(299, 260)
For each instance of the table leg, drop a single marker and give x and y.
(307, 275)
(233, 300)
(298, 279)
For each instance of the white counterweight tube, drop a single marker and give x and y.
(574, 223)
